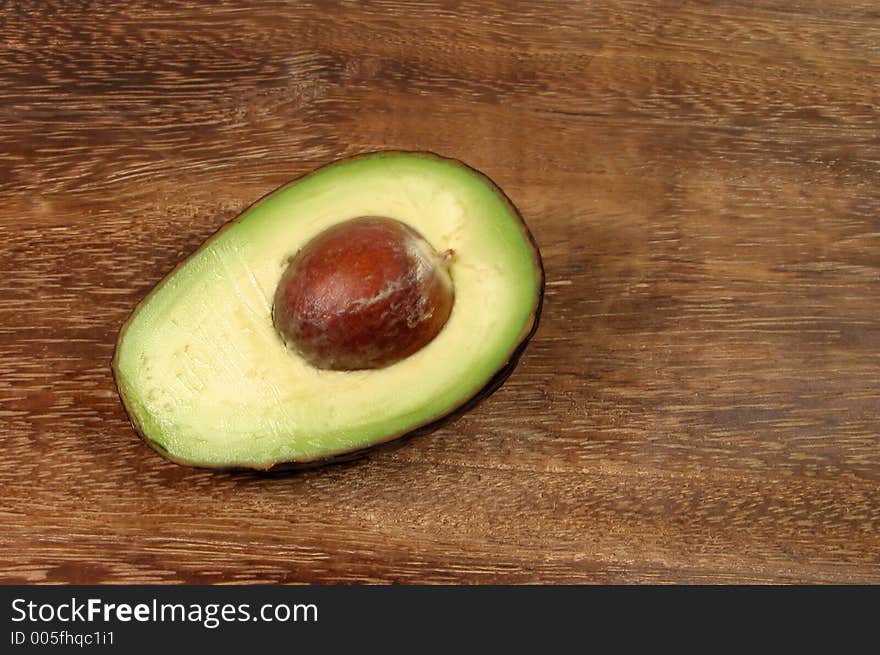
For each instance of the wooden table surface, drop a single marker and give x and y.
(701, 402)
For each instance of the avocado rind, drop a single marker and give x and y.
(146, 425)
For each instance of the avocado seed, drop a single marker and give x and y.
(363, 294)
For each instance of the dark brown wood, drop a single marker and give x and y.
(701, 402)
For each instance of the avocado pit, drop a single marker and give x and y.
(363, 294)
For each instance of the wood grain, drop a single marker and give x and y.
(701, 402)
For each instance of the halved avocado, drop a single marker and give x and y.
(207, 380)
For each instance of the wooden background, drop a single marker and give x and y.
(701, 402)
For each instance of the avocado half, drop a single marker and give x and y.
(207, 381)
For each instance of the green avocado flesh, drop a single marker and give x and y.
(207, 380)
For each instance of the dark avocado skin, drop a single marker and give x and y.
(395, 440)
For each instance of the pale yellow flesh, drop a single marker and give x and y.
(207, 379)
